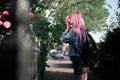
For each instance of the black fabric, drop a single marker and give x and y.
(89, 54)
(78, 66)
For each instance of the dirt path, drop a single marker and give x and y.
(62, 70)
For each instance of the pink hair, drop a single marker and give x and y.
(78, 23)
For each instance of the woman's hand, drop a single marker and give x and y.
(68, 28)
(68, 21)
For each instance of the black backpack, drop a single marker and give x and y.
(90, 55)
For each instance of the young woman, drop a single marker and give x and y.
(74, 35)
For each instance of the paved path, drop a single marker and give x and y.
(62, 70)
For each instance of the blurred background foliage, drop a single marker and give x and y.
(109, 66)
(50, 15)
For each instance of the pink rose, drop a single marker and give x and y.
(5, 13)
(32, 15)
(7, 24)
(0, 16)
(1, 23)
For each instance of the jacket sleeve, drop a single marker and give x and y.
(68, 37)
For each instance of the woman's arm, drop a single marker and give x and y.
(68, 36)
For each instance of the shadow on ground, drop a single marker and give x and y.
(62, 70)
(58, 75)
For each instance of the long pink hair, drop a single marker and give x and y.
(78, 24)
